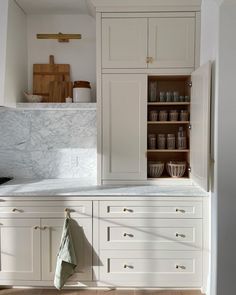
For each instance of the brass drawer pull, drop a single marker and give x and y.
(128, 235)
(180, 267)
(128, 210)
(41, 228)
(180, 210)
(16, 210)
(180, 235)
(128, 266)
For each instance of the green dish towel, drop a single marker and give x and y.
(66, 258)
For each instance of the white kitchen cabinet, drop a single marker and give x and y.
(20, 249)
(165, 41)
(124, 126)
(124, 43)
(82, 240)
(13, 53)
(172, 42)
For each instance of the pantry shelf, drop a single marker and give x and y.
(168, 151)
(168, 122)
(168, 103)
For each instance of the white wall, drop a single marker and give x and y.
(80, 54)
(16, 55)
(209, 51)
(226, 176)
(3, 34)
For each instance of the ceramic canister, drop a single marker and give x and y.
(82, 91)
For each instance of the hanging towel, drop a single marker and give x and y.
(66, 258)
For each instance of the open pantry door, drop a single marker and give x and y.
(200, 126)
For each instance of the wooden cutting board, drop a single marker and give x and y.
(43, 74)
(59, 91)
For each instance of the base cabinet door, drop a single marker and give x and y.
(82, 240)
(20, 249)
(124, 127)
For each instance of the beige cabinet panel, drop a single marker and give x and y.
(82, 239)
(151, 209)
(20, 249)
(152, 268)
(124, 43)
(172, 42)
(124, 126)
(150, 234)
(200, 125)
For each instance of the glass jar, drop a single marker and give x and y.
(181, 139)
(173, 115)
(176, 96)
(161, 141)
(169, 96)
(170, 141)
(153, 91)
(163, 115)
(184, 115)
(153, 115)
(162, 96)
(152, 141)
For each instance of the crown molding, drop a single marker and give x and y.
(146, 5)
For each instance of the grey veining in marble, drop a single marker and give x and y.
(48, 143)
(79, 187)
(58, 106)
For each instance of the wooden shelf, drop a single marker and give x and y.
(168, 122)
(168, 103)
(168, 151)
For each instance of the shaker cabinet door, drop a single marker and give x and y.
(200, 125)
(124, 112)
(124, 43)
(172, 42)
(82, 239)
(20, 249)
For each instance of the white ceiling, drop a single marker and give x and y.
(56, 6)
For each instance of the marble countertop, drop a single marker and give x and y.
(73, 187)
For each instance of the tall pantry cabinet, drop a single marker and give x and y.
(138, 43)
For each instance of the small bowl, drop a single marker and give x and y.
(176, 169)
(33, 98)
(155, 169)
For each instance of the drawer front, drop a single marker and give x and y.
(152, 268)
(142, 234)
(77, 209)
(151, 209)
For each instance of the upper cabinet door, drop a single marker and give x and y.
(124, 43)
(124, 127)
(200, 122)
(172, 42)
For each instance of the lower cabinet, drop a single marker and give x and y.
(20, 249)
(82, 237)
(152, 268)
(135, 243)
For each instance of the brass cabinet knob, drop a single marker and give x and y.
(128, 266)
(180, 210)
(128, 235)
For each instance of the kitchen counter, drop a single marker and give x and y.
(72, 188)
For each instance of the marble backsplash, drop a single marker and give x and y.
(48, 144)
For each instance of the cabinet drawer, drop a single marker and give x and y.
(151, 209)
(152, 268)
(162, 234)
(77, 209)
